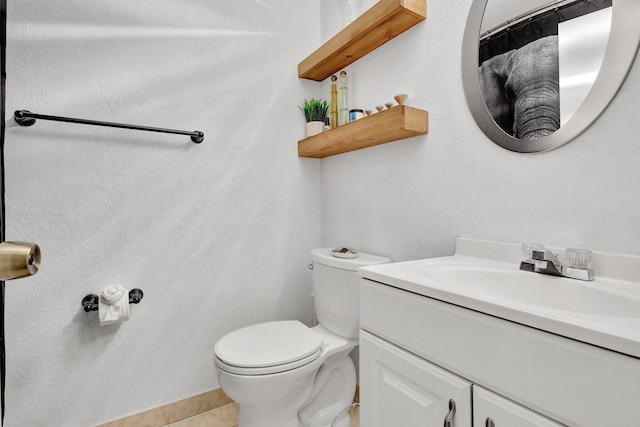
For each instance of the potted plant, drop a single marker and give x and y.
(315, 111)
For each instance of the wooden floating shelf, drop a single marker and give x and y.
(382, 22)
(393, 124)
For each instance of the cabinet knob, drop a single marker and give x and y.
(448, 420)
(489, 423)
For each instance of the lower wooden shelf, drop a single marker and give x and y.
(389, 125)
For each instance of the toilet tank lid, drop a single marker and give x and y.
(324, 256)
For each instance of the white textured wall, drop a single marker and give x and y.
(217, 235)
(410, 199)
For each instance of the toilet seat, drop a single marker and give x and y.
(267, 369)
(267, 348)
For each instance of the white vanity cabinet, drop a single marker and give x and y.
(417, 352)
(492, 410)
(400, 389)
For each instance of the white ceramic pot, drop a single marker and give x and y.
(314, 128)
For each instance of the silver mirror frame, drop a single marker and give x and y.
(624, 40)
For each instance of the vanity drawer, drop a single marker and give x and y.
(492, 409)
(574, 383)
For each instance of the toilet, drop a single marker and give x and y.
(285, 374)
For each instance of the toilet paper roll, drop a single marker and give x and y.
(18, 259)
(113, 306)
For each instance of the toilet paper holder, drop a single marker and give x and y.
(90, 302)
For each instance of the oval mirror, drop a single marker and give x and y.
(537, 74)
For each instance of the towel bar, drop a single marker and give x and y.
(27, 118)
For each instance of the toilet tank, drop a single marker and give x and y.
(336, 290)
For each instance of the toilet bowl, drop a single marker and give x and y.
(309, 379)
(285, 374)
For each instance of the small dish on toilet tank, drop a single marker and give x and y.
(344, 253)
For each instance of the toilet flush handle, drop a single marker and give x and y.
(310, 265)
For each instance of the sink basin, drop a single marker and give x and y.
(604, 312)
(503, 283)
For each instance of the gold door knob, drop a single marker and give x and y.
(18, 259)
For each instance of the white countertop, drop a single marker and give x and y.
(484, 276)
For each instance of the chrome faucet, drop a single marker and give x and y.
(541, 260)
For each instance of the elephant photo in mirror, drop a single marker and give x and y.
(520, 61)
(537, 73)
(521, 89)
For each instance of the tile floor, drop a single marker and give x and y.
(183, 410)
(227, 416)
(210, 409)
(224, 416)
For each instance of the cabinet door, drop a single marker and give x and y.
(398, 388)
(492, 410)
